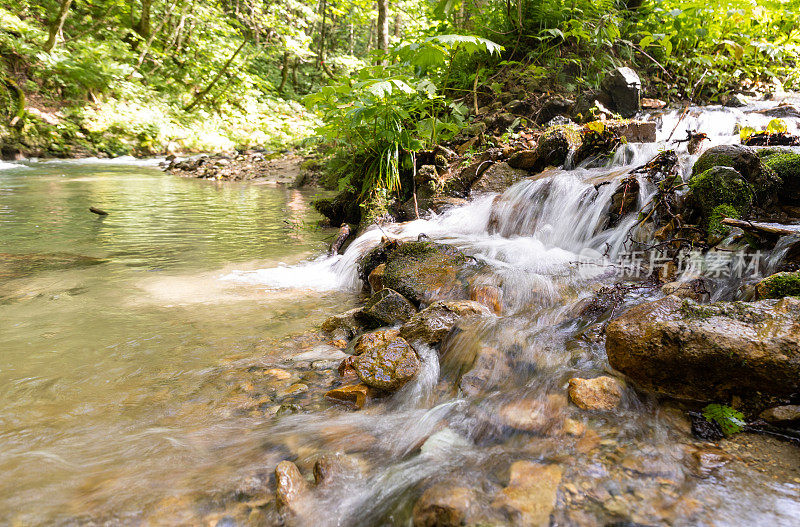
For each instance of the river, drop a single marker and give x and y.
(160, 361)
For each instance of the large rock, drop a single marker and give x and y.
(781, 414)
(498, 178)
(422, 271)
(708, 352)
(531, 493)
(443, 506)
(625, 89)
(599, 393)
(746, 162)
(385, 360)
(434, 323)
(721, 192)
(386, 308)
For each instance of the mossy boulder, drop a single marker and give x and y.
(555, 145)
(779, 285)
(787, 166)
(342, 208)
(721, 192)
(746, 162)
(424, 270)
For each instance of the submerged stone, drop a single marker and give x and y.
(531, 493)
(354, 395)
(443, 506)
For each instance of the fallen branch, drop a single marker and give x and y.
(344, 233)
(759, 228)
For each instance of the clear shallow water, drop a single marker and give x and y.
(110, 326)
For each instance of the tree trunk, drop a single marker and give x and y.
(398, 24)
(57, 25)
(199, 96)
(323, 35)
(284, 71)
(143, 25)
(383, 27)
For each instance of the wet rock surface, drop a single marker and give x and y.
(422, 271)
(385, 360)
(600, 393)
(443, 506)
(435, 322)
(386, 308)
(530, 496)
(687, 350)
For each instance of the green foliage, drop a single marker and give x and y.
(730, 421)
(388, 113)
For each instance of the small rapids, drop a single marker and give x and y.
(633, 467)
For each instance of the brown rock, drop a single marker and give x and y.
(531, 493)
(533, 415)
(334, 468)
(524, 159)
(343, 326)
(498, 177)
(443, 506)
(600, 393)
(388, 363)
(705, 352)
(354, 395)
(709, 458)
(488, 295)
(781, 414)
(376, 278)
(290, 486)
(432, 324)
(489, 368)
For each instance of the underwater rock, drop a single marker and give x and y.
(290, 486)
(533, 415)
(434, 323)
(386, 308)
(531, 493)
(443, 506)
(385, 360)
(599, 393)
(488, 368)
(354, 395)
(707, 352)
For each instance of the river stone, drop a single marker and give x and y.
(336, 469)
(434, 323)
(290, 486)
(707, 352)
(443, 506)
(385, 360)
(555, 145)
(625, 89)
(488, 369)
(533, 415)
(531, 493)
(423, 271)
(498, 177)
(524, 159)
(375, 278)
(386, 308)
(599, 393)
(354, 395)
(779, 285)
(781, 414)
(343, 326)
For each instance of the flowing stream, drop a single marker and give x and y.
(144, 377)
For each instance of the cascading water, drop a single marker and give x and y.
(635, 467)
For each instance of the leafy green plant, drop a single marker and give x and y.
(729, 420)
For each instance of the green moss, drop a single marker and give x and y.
(710, 160)
(764, 153)
(786, 165)
(780, 285)
(715, 225)
(741, 311)
(720, 192)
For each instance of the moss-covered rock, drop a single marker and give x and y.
(342, 208)
(746, 162)
(787, 166)
(555, 145)
(779, 285)
(721, 192)
(423, 270)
